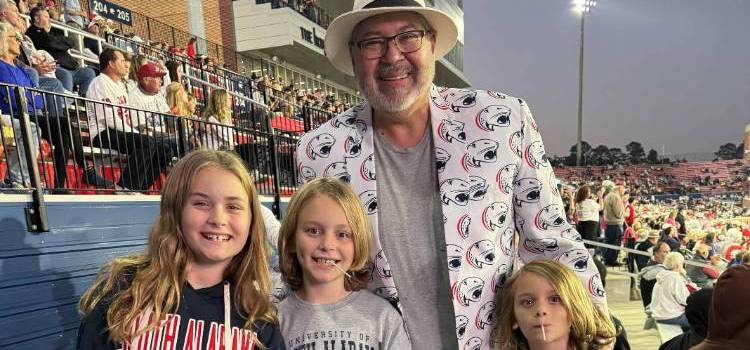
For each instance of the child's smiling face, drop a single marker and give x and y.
(216, 217)
(323, 237)
(537, 303)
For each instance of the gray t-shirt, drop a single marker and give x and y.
(362, 320)
(413, 239)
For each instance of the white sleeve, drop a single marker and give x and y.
(104, 115)
(135, 101)
(544, 231)
(272, 227)
(679, 290)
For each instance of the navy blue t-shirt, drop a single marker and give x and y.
(199, 321)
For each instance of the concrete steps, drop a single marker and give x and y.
(630, 313)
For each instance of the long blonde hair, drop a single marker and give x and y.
(154, 279)
(589, 329)
(217, 106)
(291, 270)
(5, 30)
(177, 99)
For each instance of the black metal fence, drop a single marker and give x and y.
(216, 75)
(201, 80)
(54, 143)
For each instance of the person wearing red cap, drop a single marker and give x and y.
(112, 124)
(147, 96)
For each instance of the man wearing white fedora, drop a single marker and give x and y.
(458, 173)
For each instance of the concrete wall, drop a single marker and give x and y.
(42, 276)
(217, 16)
(258, 27)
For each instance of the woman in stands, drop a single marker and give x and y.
(135, 63)
(670, 293)
(218, 133)
(49, 117)
(177, 100)
(587, 212)
(672, 219)
(703, 277)
(179, 105)
(205, 260)
(10, 73)
(548, 308)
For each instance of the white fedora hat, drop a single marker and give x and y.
(340, 30)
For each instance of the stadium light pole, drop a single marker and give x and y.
(582, 7)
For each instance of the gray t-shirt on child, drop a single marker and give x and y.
(362, 320)
(410, 225)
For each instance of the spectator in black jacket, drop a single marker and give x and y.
(680, 218)
(68, 70)
(697, 310)
(646, 246)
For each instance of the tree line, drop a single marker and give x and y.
(634, 153)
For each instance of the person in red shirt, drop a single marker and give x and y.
(191, 48)
(630, 207)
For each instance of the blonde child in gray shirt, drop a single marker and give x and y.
(324, 245)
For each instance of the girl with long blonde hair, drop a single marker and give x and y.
(544, 305)
(177, 99)
(203, 277)
(180, 105)
(217, 132)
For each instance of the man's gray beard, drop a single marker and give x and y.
(404, 99)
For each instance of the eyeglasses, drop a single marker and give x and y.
(406, 42)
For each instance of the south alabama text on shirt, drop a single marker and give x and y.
(168, 336)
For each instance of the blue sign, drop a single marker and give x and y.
(111, 11)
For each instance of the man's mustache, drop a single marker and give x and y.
(394, 70)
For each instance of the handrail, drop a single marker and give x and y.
(36, 217)
(266, 151)
(180, 59)
(212, 85)
(80, 35)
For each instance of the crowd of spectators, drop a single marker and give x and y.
(688, 243)
(677, 178)
(290, 101)
(140, 95)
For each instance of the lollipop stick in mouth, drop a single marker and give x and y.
(340, 269)
(544, 334)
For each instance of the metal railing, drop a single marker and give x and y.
(206, 77)
(226, 79)
(202, 81)
(116, 148)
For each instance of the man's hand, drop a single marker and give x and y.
(45, 67)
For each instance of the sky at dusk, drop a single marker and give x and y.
(662, 72)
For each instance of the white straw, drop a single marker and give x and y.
(340, 269)
(544, 335)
